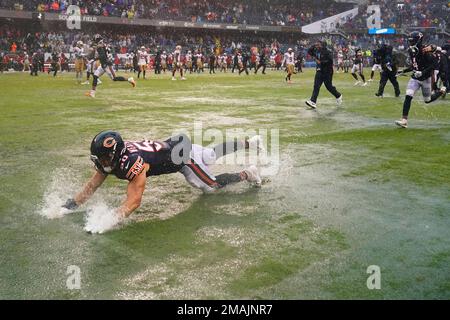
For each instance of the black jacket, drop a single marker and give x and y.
(387, 59)
(325, 57)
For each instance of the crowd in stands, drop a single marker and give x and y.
(17, 39)
(411, 13)
(260, 12)
(406, 14)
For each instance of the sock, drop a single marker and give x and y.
(227, 178)
(354, 76)
(94, 83)
(407, 106)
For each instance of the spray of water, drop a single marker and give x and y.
(62, 187)
(100, 218)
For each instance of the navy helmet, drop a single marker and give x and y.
(106, 148)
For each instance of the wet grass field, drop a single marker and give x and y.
(351, 191)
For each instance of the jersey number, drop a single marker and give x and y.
(149, 146)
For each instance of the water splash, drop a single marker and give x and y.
(62, 187)
(101, 218)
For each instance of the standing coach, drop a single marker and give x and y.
(324, 73)
(389, 70)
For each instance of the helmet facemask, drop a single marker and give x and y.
(105, 161)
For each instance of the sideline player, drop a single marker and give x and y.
(376, 63)
(142, 61)
(289, 62)
(422, 67)
(105, 66)
(177, 63)
(324, 73)
(358, 67)
(79, 60)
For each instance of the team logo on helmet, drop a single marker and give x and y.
(109, 142)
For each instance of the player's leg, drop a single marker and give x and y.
(182, 73)
(290, 71)
(427, 90)
(361, 74)
(199, 176)
(383, 80)
(112, 74)
(354, 69)
(412, 87)
(97, 74)
(393, 79)
(372, 73)
(318, 80)
(328, 81)
(174, 70)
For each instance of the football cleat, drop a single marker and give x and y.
(90, 94)
(133, 83)
(253, 175)
(311, 104)
(86, 82)
(357, 83)
(379, 95)
(339, 100)
(402, 123)
(256, 142)
(370, 80)
(183, 78)
(364, 84)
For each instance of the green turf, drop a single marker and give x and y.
(352, 191)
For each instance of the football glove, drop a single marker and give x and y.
(388, 66)
(417, 74)
(70, 204)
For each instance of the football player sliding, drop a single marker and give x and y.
(135, 161)
(106, 65)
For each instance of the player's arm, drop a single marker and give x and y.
(135, 190)
(88, 190)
